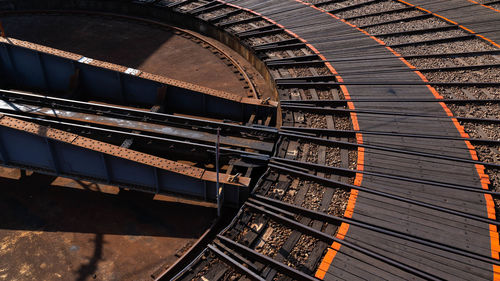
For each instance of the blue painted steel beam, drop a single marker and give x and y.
(28, 68)
(42, 153)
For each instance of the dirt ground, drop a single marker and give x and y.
(49, 232)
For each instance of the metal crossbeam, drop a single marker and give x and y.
(29, 66)
(26, 144)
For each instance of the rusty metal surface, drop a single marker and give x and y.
(194, 87)
(163, 43)
(225, 178)
(41, 48)
(36, 129)
(145, 75)
(51, 232)
(136, 125)
(114, 150)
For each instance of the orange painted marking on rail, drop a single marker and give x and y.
(496, 273)
(486, 6)
(495, 247)
(494, 237)
(466, 29)
(407, 63)
(444, 18)
(327, 260)
(452, 22)
(359, 138)
(490, 205)
(469, 145)
(480, 167)
(489, 40)
(354, 117)
(448, 111)
(311, 47)
(377, 40)
(473, 154)
(349, 211)
(342, 231)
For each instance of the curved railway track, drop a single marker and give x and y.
(387, 163)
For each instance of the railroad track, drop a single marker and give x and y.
(151, 132)
(260, 231)
(386, 166)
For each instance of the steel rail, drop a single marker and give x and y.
(391, 69)
(257, 30)
(332, 111)
(416, 31)
(135, 114)
(388, 149)
(107, 130)
(454, 68)
(330, 239)
(292, 272)
(241, 21)
(277, 43)
(191, 255)
(180, 3)
(327, 102)
(236, 256)
(264, 32)
(187, 268)
(206, 8)
(141, 127)
(223, 16)
(307, 58)
(352, 173)
(337, 184)
(303, 82)
(419, 17)
(297, 58)
(352, 134)
(354, 6)
(398, 10)
(328, 2)
(252, 275)
(278, 206)
(433, 41)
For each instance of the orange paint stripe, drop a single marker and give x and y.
(328, 259)
(349, 211)
(453, 22)
(486, 6)
(490, 205)
(496, 273)
(495, 248)
(469, 30)
(342, 231)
